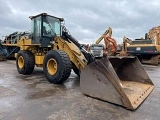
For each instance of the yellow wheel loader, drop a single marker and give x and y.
(119, 80)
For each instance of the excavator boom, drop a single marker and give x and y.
(107, 32)
(110, 43)
(124, 47)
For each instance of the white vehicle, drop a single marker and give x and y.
(97, 50)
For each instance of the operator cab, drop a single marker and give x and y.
(44, 27)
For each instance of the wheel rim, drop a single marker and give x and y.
(20, 62)
(52, 66)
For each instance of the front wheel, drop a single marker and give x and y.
(57, 66)
(25, 62)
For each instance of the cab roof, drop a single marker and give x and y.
(45, 14)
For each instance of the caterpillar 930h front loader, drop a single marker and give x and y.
(119, 80)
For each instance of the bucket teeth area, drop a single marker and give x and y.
(122, 81)
(136, 91)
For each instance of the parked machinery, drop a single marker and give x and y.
(123, 47)
(119, 80)
(2, 53)
(8, 46)
(108, 48)
(97, 50)
(110, 43)
(147, 50)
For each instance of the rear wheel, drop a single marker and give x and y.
(25, 62)
(57, 66)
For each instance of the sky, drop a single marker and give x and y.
(86, 20)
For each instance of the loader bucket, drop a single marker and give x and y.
(119, 80)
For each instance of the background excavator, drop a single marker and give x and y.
(108, 48)
(147, 50)
(119, 80)
(110, 43)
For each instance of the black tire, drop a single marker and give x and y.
(63, 66)
(76, 71)
(28, 62)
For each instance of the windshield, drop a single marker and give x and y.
(51, 26)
